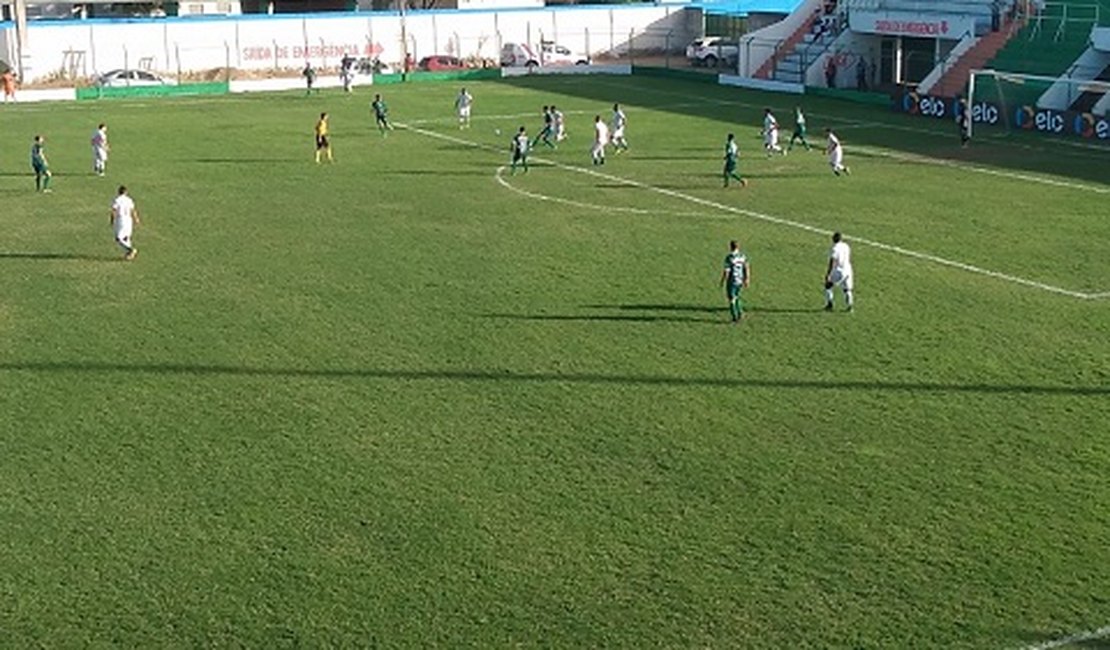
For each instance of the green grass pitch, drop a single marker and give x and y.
(407, 400)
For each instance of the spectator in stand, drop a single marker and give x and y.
(861, 74)
(818, 26)
(7, 80)
(830, 71)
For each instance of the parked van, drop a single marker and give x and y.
(549, 53)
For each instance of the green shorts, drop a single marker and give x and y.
(733, 290)
(40, 167)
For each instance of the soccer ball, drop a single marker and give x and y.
(497, 131)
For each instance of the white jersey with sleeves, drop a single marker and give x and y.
(124, 210)
(841, 256)
(601, 133)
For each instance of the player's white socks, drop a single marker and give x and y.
(828, 296)
(848, 297)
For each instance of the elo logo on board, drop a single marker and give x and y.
(1046, 120)
(1091, 126)
(932, 106)
(985, 113)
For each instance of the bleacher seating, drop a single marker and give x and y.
(1048, 45)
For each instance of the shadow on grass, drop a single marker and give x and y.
(622, 318)
(442, 173)
(247, 161)
(638, 157)
(934, 139)
(508, 376)
(29, 255)
(705, 309)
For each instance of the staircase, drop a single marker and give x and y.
(786, 49)
(954, 81)
(792, 67)
(1087, 101)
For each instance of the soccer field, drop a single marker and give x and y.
(409, 399)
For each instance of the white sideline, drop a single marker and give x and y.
(1100, 633)
(781, 221)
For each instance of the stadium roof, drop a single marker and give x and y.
(741, 8)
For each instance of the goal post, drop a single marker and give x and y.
(1064, 105)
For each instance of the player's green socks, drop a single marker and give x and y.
(734, 309)
(38, 182)
(45, 182)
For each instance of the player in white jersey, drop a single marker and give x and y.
(771, 134)
(839, 272)
(836, 154)
(100, 147)
(619, 121)
(601, 138)
(124, 217)
(462, 107)
(560, 124)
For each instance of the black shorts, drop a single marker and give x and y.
(322, 142)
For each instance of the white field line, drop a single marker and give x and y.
(782, 222)
(940, 162)
(1081, 637)
(499, 175)
(1092, 151)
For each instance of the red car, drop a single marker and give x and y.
(439, 62)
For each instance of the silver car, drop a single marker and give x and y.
(118, 78)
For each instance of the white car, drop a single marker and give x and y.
(123, 78)
(710, 50)
(549, 53)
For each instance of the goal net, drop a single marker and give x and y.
(1066, 105)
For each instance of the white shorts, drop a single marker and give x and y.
(122, 228)
(836, 159)
(598, 150)
(464, 112)
(618, 134)
(842, 277)
(100, 154)
(771, 139)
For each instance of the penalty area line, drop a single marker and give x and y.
(928, 257)
(1081, 637)
(941, 162)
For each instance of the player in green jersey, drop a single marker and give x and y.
(737, 275)
(732, 153)
(381, 114)
(799, 129)
(519, 147)
(40, 165)
(548, 130)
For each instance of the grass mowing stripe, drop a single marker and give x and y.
(785, 222)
